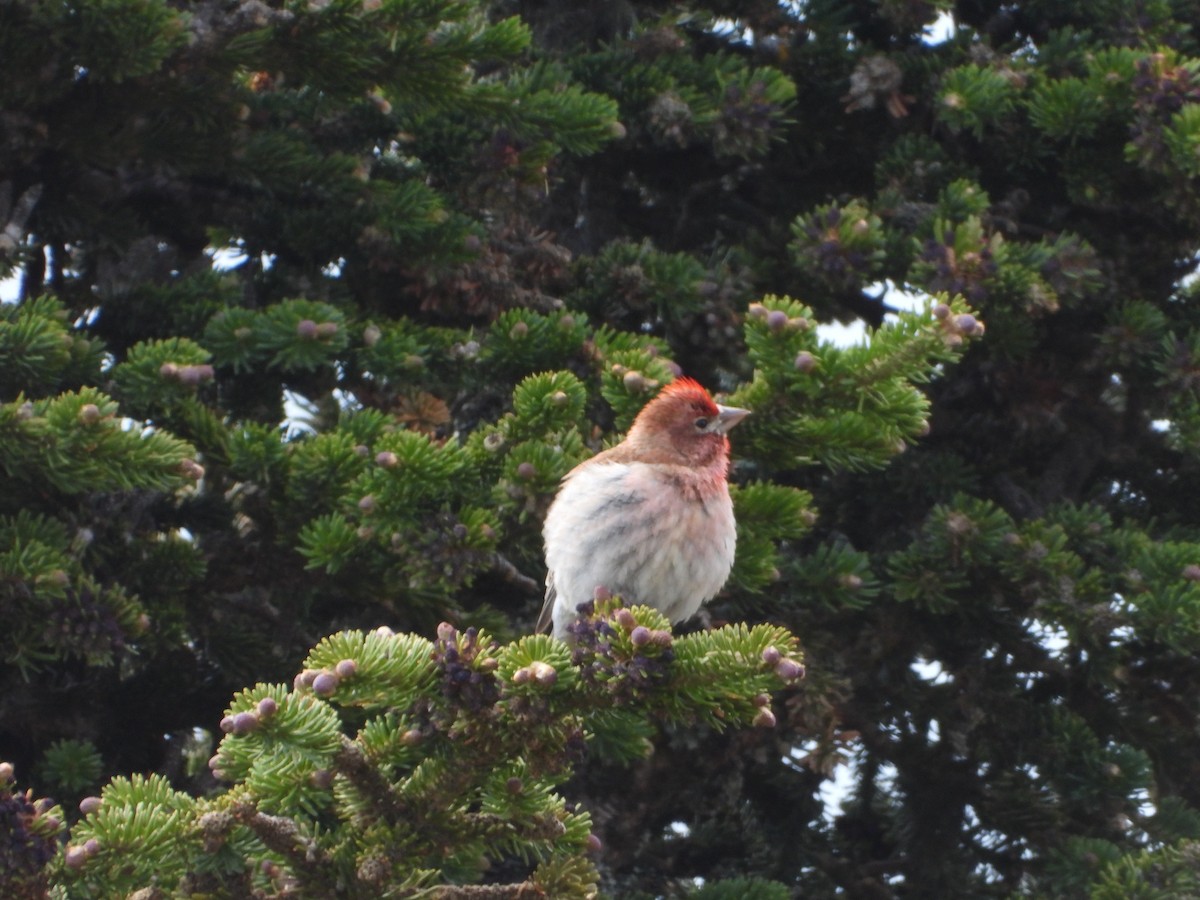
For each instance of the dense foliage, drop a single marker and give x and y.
(315, 304)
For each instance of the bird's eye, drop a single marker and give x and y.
(702, 423)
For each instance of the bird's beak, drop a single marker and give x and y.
(727, 417)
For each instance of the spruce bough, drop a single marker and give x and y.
(395, 765)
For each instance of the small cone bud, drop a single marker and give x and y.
(325, 684)
(771, 656)
(189, 468)
(966, 323)
(777, 320)
(244, 723)
(661, 638)
(789, 670)
(640, 636)
(267, 707)
(371, 335)
(89, 805)
(89, 414)
(346, 668)
(626, 619)
(306, 329)
(387, 459)
(526, 471)
(543, 673)
(941, 311)
(764, 719)
(518, 330)
(189, 375)
(805, 362)
(56, 579)
(635, 382)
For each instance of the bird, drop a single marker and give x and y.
(649, 519)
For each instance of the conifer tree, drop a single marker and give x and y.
(317, 302)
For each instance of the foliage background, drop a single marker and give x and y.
(419, 204)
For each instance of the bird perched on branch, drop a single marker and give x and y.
(649, 519)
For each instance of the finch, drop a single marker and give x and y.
(649, 519)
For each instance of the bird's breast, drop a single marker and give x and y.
(658, 535)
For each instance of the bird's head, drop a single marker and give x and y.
(684, 424)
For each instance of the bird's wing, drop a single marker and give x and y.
(546, 617)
